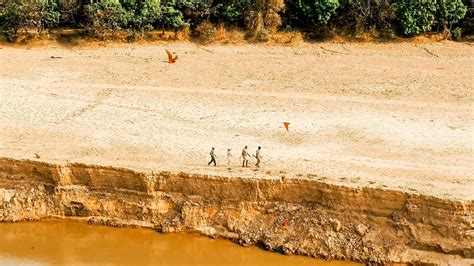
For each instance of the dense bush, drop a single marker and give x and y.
(416, 16)
(17, 15)
(196, 12)
(69, 11)
(261, 18)
(365, 15)
(232, 12)
(313, 12)
(467, 23)
(182, 13)
(172, 17)
(142, 14)
(105, 15)
(450, 12)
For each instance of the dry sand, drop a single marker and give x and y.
(391, 116)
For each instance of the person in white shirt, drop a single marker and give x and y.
(245, 157)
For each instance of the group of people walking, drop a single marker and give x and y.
(245, 157)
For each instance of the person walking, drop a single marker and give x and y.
(245, 157)
(258, 156)
(213, 157)
(229, 156)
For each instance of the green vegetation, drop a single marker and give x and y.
(17, 15)
(260, 18)
(416, 16)
(450, 13)
(315, 12)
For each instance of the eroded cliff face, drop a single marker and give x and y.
(293, 216)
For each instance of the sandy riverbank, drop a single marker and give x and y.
(387, 117)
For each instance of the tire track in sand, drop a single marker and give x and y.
(100, 97)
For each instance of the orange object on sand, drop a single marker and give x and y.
(286, 124)
(172, 58)
(285, 223)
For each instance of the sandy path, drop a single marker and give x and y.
(396, 116)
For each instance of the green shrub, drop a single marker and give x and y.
(105, 15)
(48, 14)
(416, 16)
(456, 33)
(315, 11)
(450, 12)
(232, 12)
(177, 14)
(172, 18)
(17, 15)
(142, 14)
(12, 18)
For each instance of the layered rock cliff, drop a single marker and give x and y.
(289, 215)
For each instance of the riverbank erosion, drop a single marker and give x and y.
(291, 215)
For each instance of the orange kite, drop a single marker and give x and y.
(172, 58)
(286, 124)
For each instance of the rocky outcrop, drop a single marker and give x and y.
(292, 216)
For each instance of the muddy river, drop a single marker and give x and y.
(67, 242)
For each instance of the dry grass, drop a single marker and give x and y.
(287, 38)
(427, 38)
(208, 33)
(205, 33)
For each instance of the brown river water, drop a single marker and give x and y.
(69, 242)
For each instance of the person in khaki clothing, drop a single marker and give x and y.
(245, 157)
(258, 156)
